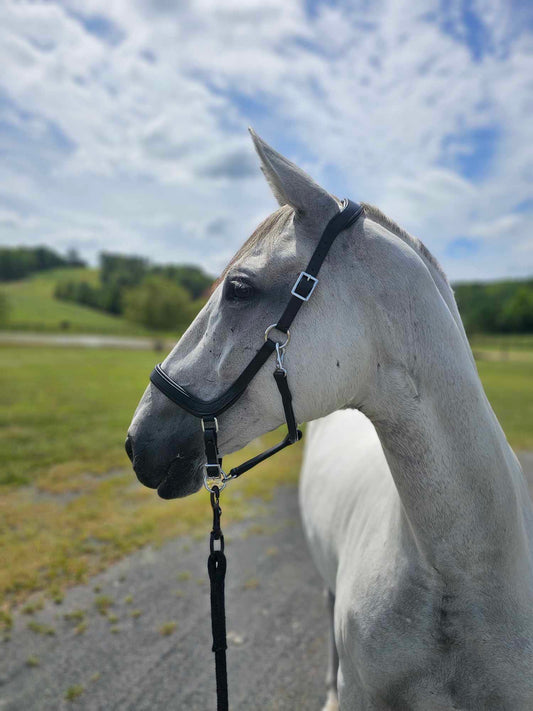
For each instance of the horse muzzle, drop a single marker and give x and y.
(166, 452)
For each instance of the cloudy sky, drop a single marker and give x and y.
(123, 122)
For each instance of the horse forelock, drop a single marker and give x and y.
(265, 234)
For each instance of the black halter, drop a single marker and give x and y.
(208, 410)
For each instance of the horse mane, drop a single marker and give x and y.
(278, 220)
(375, 214)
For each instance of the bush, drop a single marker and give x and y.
(159, 304)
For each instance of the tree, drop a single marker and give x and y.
(159, 304)
(517, 313)
(192, 278)
(120, 270)
(497, 307)
(18, 262)
(74, 259)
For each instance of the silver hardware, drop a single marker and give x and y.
(280, 355)
(216, 425)
(281, 345)
(301, 276)
(220, 481)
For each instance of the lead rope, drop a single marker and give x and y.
(216, 567)
(216, 563)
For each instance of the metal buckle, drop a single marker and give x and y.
(214, 419)
(297, 283)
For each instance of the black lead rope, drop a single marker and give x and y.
(216, 567)
(207, 410)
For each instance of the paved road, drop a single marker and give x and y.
(276, 623)
(82, 340)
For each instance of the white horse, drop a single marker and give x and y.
(414, 506)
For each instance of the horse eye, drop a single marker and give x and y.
(239, 290)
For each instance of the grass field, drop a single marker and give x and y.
(509, 387)
(69, 501)
(34, 308)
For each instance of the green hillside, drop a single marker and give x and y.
(34, 308)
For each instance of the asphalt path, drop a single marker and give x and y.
(84, 340)
(124, 661)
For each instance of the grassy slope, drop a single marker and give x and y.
(33, 307)
(63, 418)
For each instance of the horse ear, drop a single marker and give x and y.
(290, 185)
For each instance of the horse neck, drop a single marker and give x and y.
(462, 493)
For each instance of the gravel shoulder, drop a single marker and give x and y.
(124, 660)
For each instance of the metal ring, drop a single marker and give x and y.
(220, 484)
(281, 345)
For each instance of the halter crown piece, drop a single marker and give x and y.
(215, 479)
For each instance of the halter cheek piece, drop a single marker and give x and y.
(208, 410)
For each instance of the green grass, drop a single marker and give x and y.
(168, 628)
(509, 387)
(69, 501)
(70, 504)
(66, 410)
(73, 692)
(34, 308)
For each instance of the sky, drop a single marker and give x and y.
(123, 123)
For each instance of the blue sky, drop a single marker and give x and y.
(123, 122)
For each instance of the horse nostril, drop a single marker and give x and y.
(129, 447)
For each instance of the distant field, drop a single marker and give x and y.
(33, 307)
(69, 502)
(503, 341)
(505, 346)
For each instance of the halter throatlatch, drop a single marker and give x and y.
(215, 479)
(208, 410)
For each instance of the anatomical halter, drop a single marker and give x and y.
(207, 410)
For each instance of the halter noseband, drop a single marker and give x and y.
(207, 410)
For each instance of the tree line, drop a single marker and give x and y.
(163, 297)
(496, 307)
(160, 297)
(20, 262)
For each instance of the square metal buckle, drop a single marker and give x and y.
(216, 467)
(304, 275)
(208, 426)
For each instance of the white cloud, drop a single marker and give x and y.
(139, 143)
